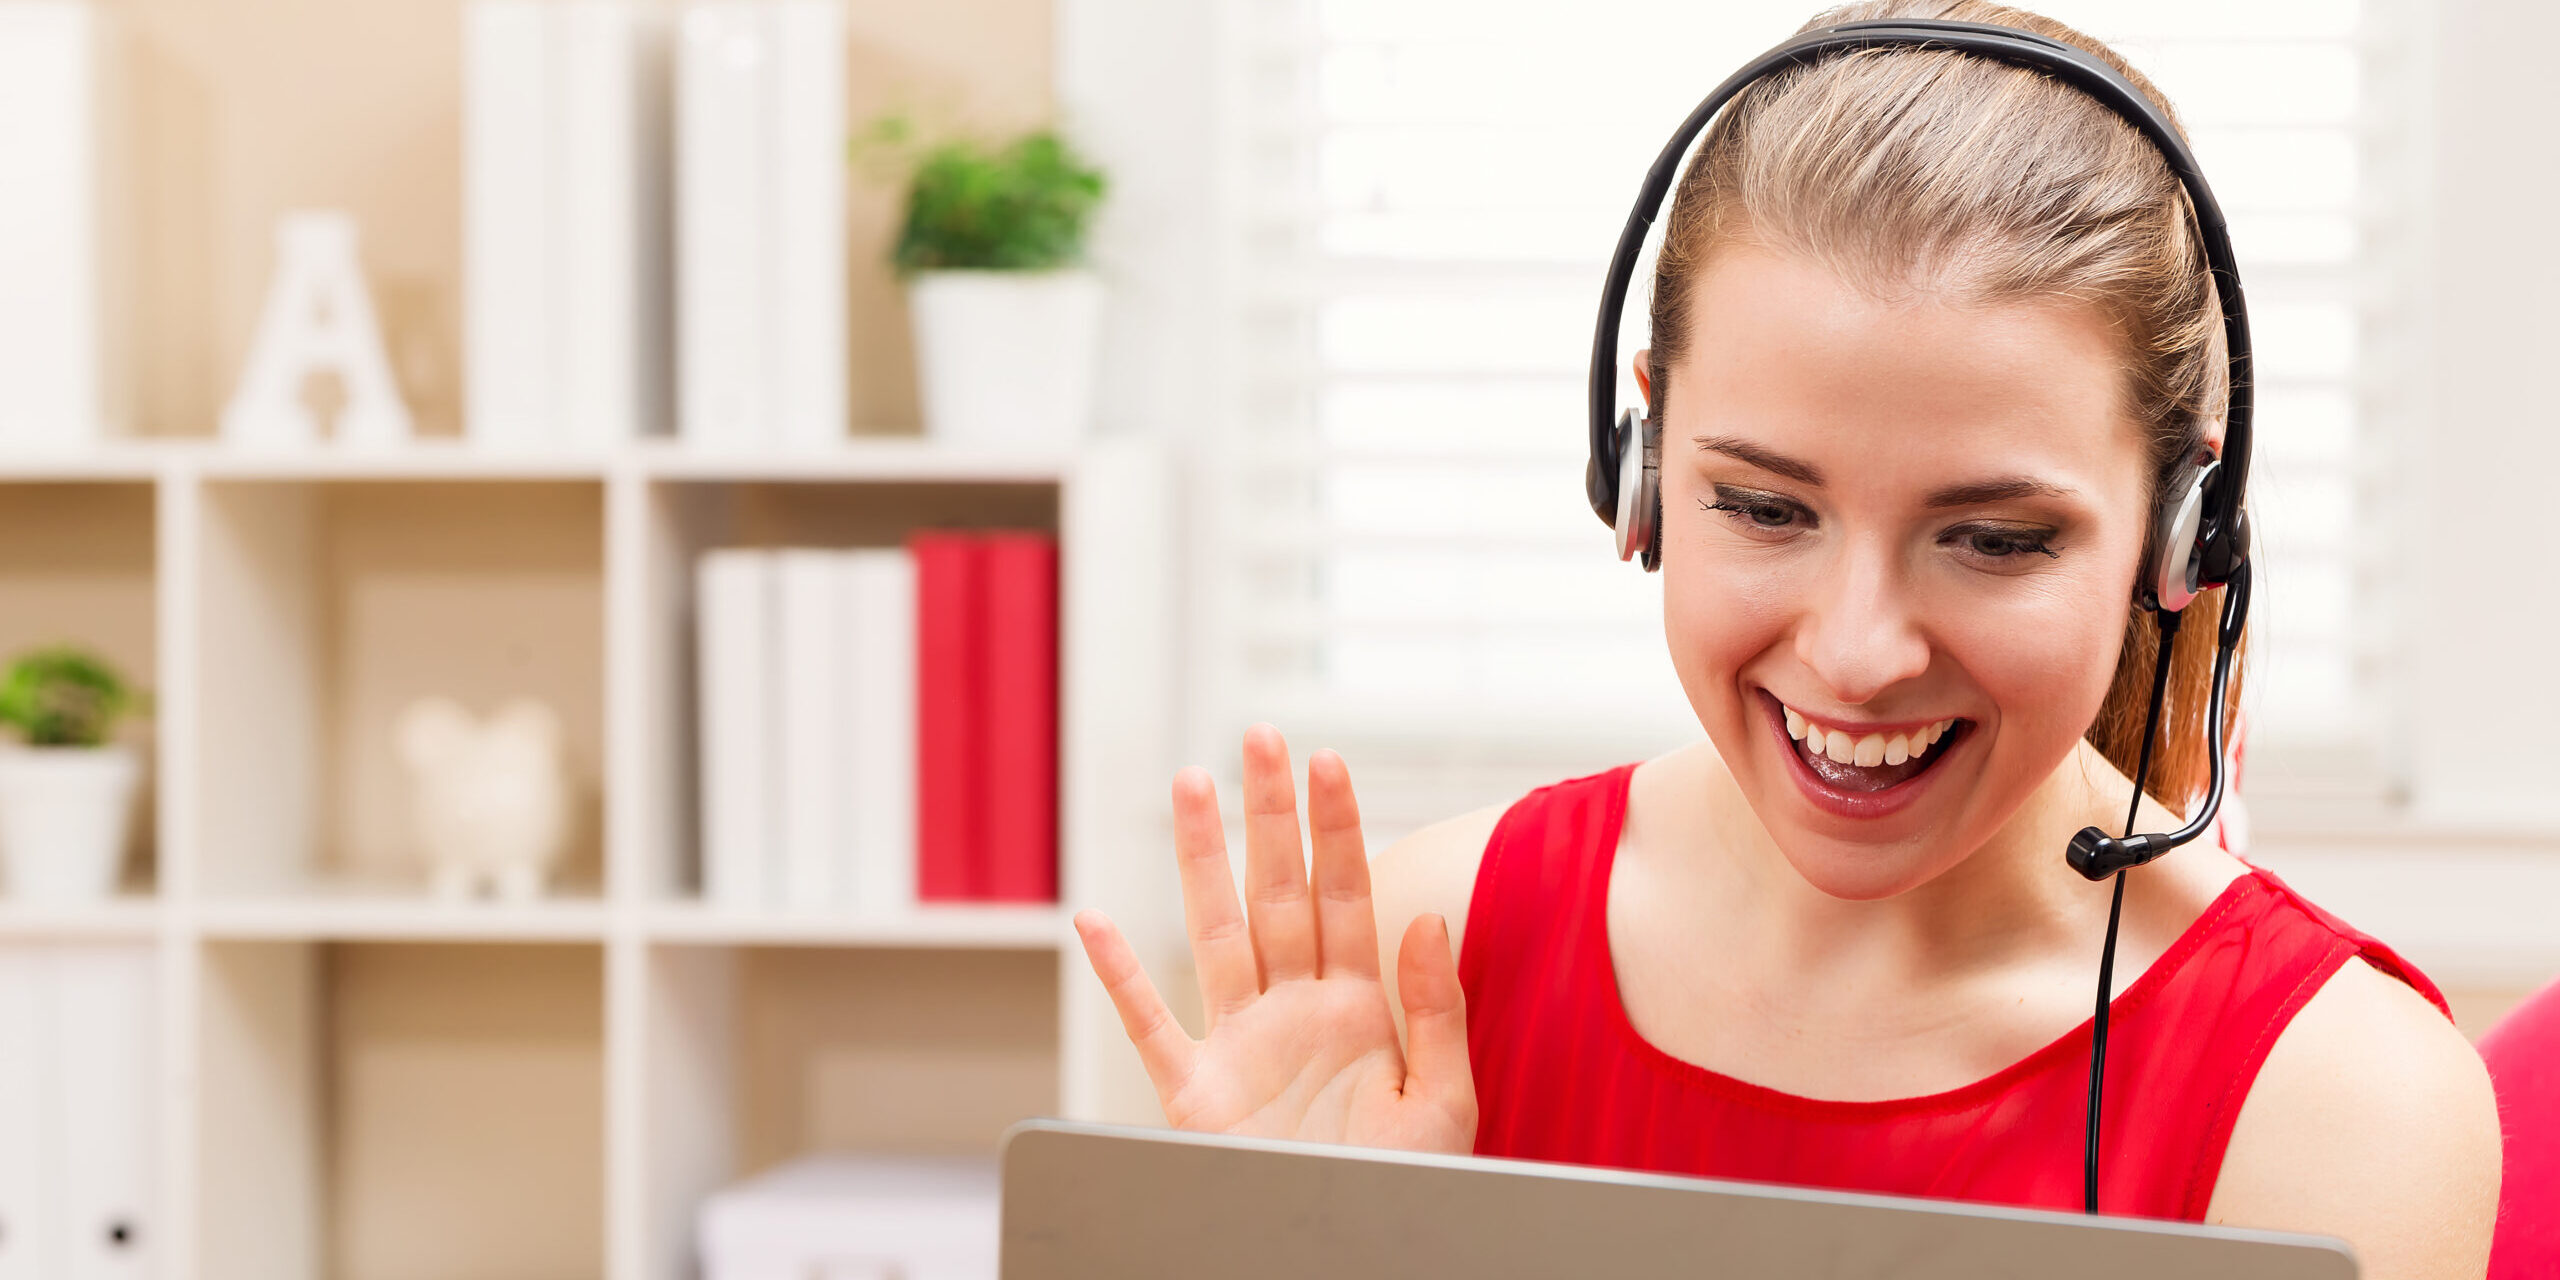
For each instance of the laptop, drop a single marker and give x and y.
(1088, 1200)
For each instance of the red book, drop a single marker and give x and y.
(951, 633)
(1021, 708)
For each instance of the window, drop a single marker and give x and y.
(1424, 195)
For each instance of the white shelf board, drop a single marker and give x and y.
(442, 459)
(120, 459)
(330, 914)
(1006, 927)
(122, 916)
(856, 460)
(859, 459)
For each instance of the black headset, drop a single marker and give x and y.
(2199, 536)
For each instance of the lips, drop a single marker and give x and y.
(1863, 785)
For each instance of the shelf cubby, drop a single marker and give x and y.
(79, 565)
(325, 606)
(694, 505)
(381, 1111)
(762, 1054)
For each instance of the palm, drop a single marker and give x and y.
(1301, 1042)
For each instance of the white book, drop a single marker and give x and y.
(880, 715)
(723, 220)
(809, 675)
(108, 1076)
(806, 97)
(52, 383)
(28, 1214)
(734, 603)
(510, 396)
(565, 292)
(610, 82)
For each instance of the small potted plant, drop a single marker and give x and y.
(66, 790)
(1008, 319)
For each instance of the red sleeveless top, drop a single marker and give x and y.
(1562, 1074)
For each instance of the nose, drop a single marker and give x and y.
(1859, 635)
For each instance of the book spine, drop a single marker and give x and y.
(880, 718)
(810, 706)
(723, 220)
(596, 233)
(950, 655)
(808, 208)
(734, 602)
(51, 384)
(509, 321)
(1021, 710)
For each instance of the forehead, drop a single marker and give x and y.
(1789, 354)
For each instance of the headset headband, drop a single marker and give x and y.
(2223, 539)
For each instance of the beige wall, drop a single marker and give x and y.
(241, 110)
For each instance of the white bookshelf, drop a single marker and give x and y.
(358, 1080)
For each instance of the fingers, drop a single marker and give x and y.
(1163, 1046)
(1275, 866)
(1220, 950)
(1346, 921)
(1435, 1020)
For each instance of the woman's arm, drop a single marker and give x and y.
(2372, 1121)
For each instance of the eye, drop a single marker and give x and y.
(1758, 512)
(2002, 543)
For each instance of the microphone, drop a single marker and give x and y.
(2097, 855)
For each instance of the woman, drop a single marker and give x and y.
(1928, 331)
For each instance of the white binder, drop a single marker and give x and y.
(812, 671)
(79, 1087)
(25, 1192)
(106, 1080)
(734, 668)
(879, 715)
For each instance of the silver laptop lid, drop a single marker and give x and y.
(1096, 1200)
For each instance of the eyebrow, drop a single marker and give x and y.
(1984, 492)
(1971, 494)
(1776, 464)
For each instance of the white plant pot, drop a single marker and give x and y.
(64, 815)
(1005, 359)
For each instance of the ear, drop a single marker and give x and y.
(1644, 376)
(2214, 432)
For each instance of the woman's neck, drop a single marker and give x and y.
(2012, 901)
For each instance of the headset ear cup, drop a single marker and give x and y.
(2171, 578)
(1638, 504)
(1652, 495)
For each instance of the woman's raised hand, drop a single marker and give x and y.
(1300, 1041)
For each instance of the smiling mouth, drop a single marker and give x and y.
(1865, 761)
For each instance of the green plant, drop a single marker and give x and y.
(1021, 206)
(64, 697)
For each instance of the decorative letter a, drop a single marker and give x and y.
(318, 317)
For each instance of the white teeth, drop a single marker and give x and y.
(1869, 751)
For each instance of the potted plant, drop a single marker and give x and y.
(66, 790)
(1008, 319)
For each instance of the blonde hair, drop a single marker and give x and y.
(1906, 169)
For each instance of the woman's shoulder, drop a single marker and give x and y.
(2372, 1118)
(1432, 871)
